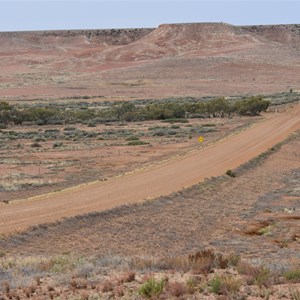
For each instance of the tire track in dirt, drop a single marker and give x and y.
(161, 179)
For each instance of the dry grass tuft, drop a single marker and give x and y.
(107, 286)
(127, 277)
(205, 260)
(254, 275)
(176, 289)
(119, 291)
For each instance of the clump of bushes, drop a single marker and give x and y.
(171, 112)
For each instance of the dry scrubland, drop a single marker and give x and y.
(51, 146)
(235, 236)
(165, 248)
(188, 245)
(39, 159)
(153, 249)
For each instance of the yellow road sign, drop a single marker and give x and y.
(200, 139)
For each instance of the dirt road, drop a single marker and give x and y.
(161, 179)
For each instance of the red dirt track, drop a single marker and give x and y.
(161, 179)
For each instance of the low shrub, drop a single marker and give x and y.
(36, 145)
(132, 138)
(107, 286)
(224, 284)
(230, 173)
(176, 289)
(205, 260)
(127, 277)
(57, 144)
(137, 143)
(39, 139)
(175, 120)
(151, 288)
(256, 275)
(292, 275)
(229, 284)
(91, 123)
(215, 285)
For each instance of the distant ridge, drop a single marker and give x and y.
(194, 58)
(285, 34)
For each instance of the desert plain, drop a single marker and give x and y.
(106, 190)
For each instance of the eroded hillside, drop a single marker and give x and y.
(173, 59)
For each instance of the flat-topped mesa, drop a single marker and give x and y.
(194, 39)
(288, 34)
(200, 26)
(197, 31)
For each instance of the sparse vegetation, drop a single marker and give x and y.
(295, 294)
(58, 141)
(112, 280)
(176, 246)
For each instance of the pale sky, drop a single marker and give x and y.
(67, 14)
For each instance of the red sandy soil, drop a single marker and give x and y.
(161, 179)
(171, 60)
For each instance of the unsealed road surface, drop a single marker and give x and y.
(157, 180)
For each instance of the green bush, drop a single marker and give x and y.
(230, 173)
(39, 138)
(69, 128)
(252, 106)
(36, 145)
(132, 138)
(137, 143)
(173, 111)
(151, 288)
(174, 120)
(57, 145)
(292, 275)
(215, 285)
(164, 132)
(91, 123)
